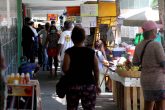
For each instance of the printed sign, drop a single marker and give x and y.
(89, 9)
(89, 21)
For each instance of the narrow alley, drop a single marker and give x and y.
(51, 102)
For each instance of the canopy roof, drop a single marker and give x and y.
(136, 17)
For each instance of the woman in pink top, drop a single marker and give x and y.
(153, 67)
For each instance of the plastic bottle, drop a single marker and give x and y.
(17, 78)
(9, 79)
(32, 75)
(22, 79)
(12, 78)
(27, 78)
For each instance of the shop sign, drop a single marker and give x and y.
(89, 9)
(52, 17)
(89, 21)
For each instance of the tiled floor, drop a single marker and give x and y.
(51, 102)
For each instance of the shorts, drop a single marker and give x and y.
(154, 95)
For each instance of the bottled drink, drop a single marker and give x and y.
(9, 79)
(27, 77)
(17, 79)
(12, 77)
(22, 79)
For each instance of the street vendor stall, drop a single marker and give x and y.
(23, 93)
(127, 92)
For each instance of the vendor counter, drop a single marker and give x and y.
(127, 92)
(24, 96)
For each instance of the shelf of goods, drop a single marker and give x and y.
(24, 96)
(127, 92)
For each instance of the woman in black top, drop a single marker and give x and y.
(80, 63)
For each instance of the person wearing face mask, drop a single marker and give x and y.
(52, 45)
(153, 67)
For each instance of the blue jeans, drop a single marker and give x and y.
(45, 56)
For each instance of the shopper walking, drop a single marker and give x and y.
(52, 44)
(153, 67)
(42, 41)
(81, 66)
(65, 41)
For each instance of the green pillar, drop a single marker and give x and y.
(19, 28)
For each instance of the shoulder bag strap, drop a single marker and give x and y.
(141, 57)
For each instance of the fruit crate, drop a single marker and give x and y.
(132, 74)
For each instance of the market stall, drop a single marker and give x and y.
(127, 92)
(23, 93)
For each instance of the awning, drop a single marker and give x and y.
(136, 17)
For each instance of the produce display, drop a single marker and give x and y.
(127, 69)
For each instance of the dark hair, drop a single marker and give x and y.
(27, 19)
(98, 44)
(53, 28)
(47, 26)
(31, 23)
(78, 34)
(147, 34)
(67, 25)
(53, 22)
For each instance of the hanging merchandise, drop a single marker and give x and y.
(110, 36)
(159, 38)
(139, 37)
(103, 29)
(90, 38)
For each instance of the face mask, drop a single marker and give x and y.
(52, 31)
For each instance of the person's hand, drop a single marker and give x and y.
(106, 63)
(98, 90)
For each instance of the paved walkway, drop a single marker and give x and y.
(51, 102)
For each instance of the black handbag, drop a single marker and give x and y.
(62, 86)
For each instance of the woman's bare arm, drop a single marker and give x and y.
(66, 63)
(96, 74)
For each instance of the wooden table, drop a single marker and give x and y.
(127, 92)
(24, 96)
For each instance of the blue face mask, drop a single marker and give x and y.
(52, 31)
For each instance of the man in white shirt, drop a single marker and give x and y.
(65, 41)
(31, 25)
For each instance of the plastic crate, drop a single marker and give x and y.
(118, 53)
